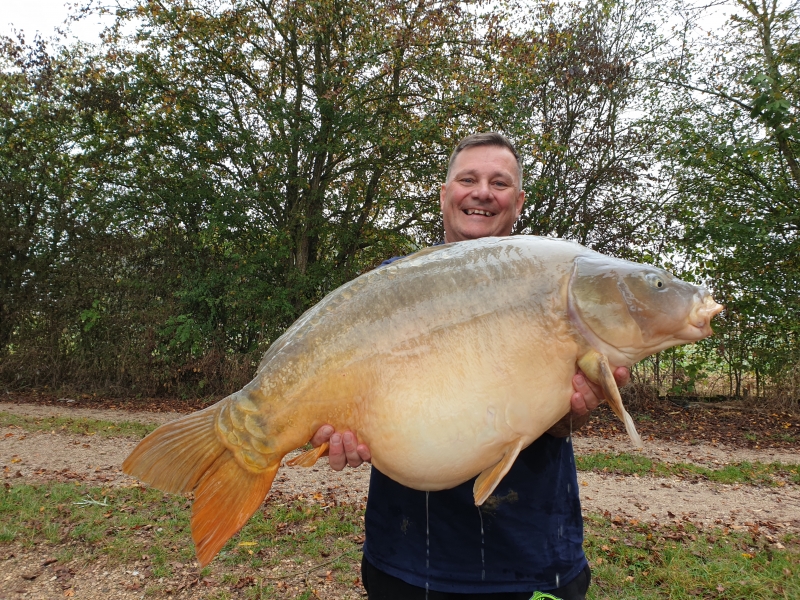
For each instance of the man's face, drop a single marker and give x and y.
(483, 196)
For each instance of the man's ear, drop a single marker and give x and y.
(442, 193)
(520, 202)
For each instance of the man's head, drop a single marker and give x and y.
(483, 193)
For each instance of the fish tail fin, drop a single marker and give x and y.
(188, 455)
(226, 497)
(175, 456)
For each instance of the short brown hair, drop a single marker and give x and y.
(491, 138)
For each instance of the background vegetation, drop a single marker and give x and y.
(174, 196)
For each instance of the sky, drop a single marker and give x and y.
(44, 16)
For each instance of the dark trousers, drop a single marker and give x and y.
(382, 586)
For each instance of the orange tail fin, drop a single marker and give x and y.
(187, 455)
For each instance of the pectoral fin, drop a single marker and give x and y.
(595, 366)
(488, 480)
(309, 457)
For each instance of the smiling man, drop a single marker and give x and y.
(526, 540)
(483, 194)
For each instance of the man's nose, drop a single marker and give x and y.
(482, 190)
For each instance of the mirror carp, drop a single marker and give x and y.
(446, 363)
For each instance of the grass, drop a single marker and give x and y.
(678, 560)
(774, 474)
(123, 526)
(76, 426)
(292, 544)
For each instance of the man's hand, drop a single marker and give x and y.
(589, 395)
(344, 448)
(586, 397)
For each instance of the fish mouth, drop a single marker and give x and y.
(699, 325)
(477, 211)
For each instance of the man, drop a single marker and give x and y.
(527, 537)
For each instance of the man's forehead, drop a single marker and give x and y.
(492, 170)
(493, 159)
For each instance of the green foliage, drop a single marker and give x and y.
(729, 105)
(178, 195)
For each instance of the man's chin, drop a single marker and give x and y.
(476, 231)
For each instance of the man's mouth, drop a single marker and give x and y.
(477, 211)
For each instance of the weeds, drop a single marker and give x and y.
(771, 474)
(76, 426)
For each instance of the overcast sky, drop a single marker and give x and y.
(43, 16)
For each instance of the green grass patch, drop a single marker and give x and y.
(288, 537)
(767, 474)
(301, 540)
(76, 426)
(678, 560)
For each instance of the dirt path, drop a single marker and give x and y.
(48, 456)
(57, 456)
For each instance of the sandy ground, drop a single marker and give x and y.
(53, 455)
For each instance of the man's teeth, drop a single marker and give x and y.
(475, 211)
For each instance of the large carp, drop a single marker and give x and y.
(446, 364)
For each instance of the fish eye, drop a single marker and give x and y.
(655, 281)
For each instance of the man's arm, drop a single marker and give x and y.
(345, 450)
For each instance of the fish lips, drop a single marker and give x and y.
(699, 325)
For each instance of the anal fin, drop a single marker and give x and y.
(309, 457)
(488, 479)
(596, 367)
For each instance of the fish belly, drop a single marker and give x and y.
(447, 406)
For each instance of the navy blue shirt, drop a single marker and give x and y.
(527, 536)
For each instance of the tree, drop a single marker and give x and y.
(731, 105)
(234, 162)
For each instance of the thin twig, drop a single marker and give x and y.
(89, 500)
(314, 568)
